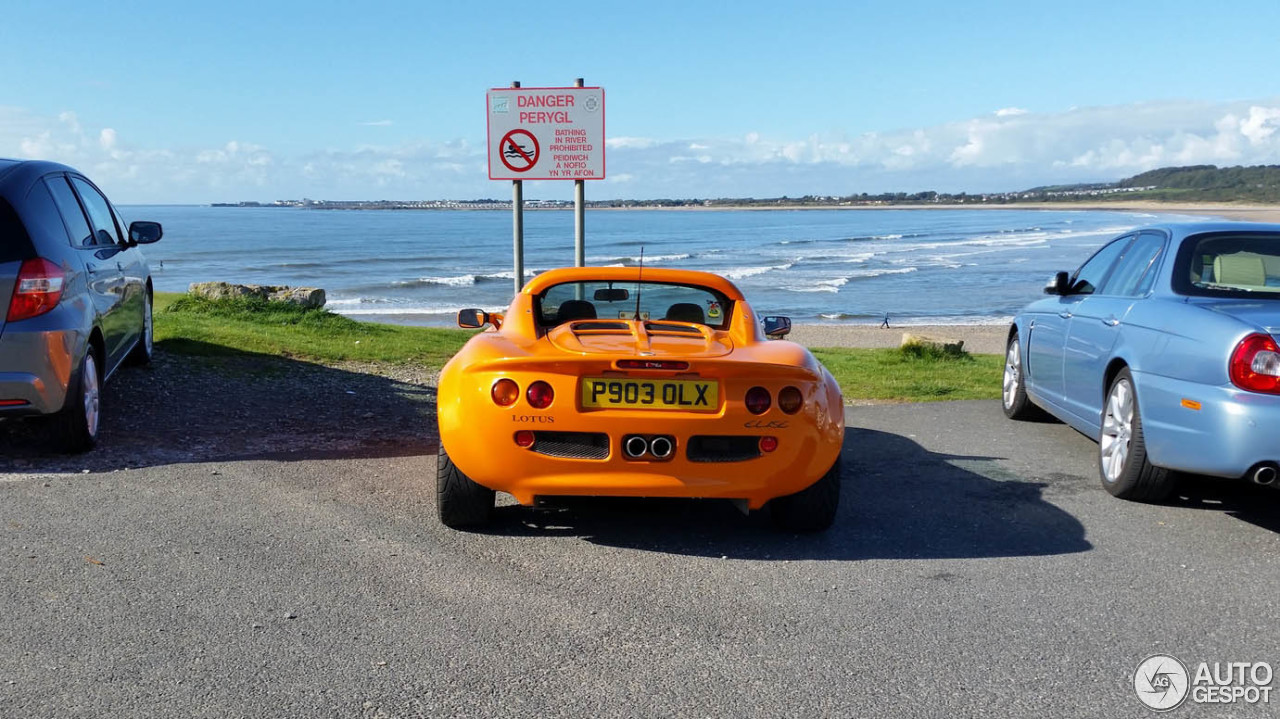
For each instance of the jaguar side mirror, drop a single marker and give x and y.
(1059, 284)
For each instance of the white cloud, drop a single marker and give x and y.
(1006, 150)
(377, 123)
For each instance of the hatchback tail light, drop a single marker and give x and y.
(1255, 364)
(37, 289)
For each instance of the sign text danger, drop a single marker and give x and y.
(535, 117)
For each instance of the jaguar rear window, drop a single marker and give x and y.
(1229, 265)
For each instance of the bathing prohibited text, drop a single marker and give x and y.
(546, 133)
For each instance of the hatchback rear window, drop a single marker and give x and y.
(15, 244)
(1229, 265)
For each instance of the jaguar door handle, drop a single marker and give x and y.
(1065, 315)
(1110, 321)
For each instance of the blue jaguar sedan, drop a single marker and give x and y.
(1162, 347)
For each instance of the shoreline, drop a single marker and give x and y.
(1224, 210)
(977, 338)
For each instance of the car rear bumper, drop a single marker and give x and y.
(800, 459)
(1229, 433)
(35, 370)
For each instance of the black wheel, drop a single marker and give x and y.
(75, 427)
(141, 353)
(1122, 451)
(813, 508)
(461, 502)
(1014, 398)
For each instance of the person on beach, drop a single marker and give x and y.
(885, 325)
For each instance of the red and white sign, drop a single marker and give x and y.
(546, 133)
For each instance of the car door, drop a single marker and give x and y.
(119, 328)
(1047, 341)
(1097, 323)
(102, 277)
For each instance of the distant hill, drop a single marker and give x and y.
(1193, 183)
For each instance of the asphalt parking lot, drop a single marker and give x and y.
(977, 569)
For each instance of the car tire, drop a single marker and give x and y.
(1013, 396)
(1122, 449)
(460, 501)
(812, 509)
(75, 427)
(142, 352)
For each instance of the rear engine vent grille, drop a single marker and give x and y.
(712, 448)
(572, 445)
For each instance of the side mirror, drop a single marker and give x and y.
(776, 327)
(472, 319)
(144, 233)
(1059, 284)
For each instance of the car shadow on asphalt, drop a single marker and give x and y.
(1242, 500)
(898, 501)
(207, 402)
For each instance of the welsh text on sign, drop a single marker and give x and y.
(546, 133)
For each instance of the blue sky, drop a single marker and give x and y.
(177, 102)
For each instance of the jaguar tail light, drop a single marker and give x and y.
(1255, 364)
(37, 289)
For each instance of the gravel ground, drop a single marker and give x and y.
(191, 409)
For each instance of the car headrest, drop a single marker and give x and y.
(685, 312)
(575, 310)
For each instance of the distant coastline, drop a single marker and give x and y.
(1248, 212)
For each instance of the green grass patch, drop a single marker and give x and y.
(195, 326)
(915, 373)
(191, 325)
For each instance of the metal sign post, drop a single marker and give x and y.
(546, 133)
(579, 215)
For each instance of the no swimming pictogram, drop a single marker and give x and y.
(519, 150)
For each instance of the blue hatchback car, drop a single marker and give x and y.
(75, 297)
(1162, 347)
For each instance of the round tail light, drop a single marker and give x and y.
(540, 395)
(768, 444)
(505, 392)
(758, 400)
(524, 438)
(790, 400)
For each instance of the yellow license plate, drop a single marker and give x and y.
(684, 394)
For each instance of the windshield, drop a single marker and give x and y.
(1230, 265)
(617, 300)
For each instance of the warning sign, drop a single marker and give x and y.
(546, 133)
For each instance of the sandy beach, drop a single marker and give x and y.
(978, 339)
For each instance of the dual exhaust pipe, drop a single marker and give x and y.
(639, 446)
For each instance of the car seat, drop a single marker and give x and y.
(685, 312)
(571, 310)
(1240, 270)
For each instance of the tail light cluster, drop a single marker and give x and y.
(37, 289)
(505, 392)
(758, 400)
(1255, 364)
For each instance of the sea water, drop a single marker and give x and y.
(817, 266)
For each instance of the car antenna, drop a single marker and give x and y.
(638, 276)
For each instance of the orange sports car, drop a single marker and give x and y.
(637, 382)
